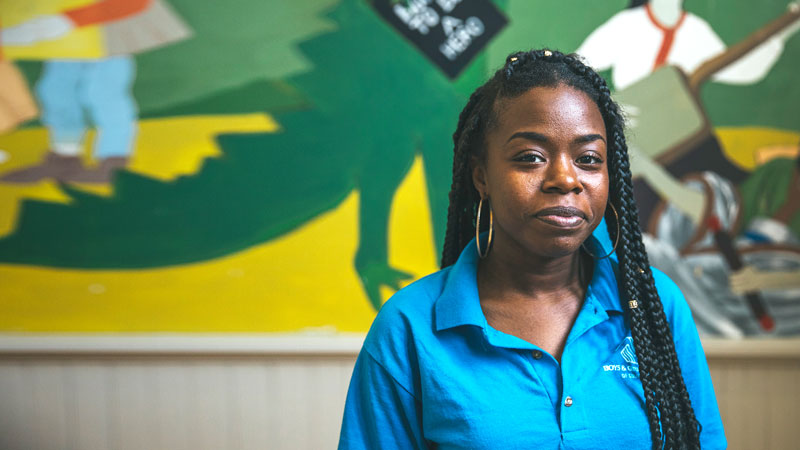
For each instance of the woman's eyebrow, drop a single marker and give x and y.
(588, 138)
(529, 135)
(538, 137)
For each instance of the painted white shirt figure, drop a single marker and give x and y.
(631, 40)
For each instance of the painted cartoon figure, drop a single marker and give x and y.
(76, 90)
(762, 219)
(691, 178)
(16, 103)
(653, 33)
(639, 44)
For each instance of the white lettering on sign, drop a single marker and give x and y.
(447, 5)
(459, 35)
(450, 24)
(418, 15)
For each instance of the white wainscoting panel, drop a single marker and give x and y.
(172, 402)
(122, 392)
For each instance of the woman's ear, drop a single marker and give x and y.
(479, 177)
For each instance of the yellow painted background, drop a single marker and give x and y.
(304, 280)
(85, 42)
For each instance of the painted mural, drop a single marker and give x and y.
(172, 165)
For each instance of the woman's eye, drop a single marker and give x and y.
(589, 159)
(530, 158)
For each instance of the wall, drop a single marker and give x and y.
(246, 392)
(268, 161)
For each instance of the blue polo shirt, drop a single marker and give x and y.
(434, 374)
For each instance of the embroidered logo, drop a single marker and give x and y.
(631, 367)
(627, 352)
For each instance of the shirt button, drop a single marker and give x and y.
(568, 401)
(537, 354)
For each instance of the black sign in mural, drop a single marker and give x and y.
(449, 32)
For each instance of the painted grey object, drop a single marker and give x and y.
(155, 27)
(661, 111)
(703, 275)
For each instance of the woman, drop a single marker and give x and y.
(531, 337)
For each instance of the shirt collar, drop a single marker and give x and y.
(604, 287)
(459, 303)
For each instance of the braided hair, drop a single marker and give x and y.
(668, 407)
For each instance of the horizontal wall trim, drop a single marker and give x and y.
(182, 344)
(291, 344)
(764, 348)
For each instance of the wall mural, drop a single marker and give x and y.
(171, 165)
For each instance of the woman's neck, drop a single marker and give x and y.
(514, 274)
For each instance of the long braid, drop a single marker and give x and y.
(459, 221)
(678, 422)
(667, 405)
(632, 258)
(675, 398)
(630, 262)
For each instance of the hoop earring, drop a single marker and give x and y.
(478, 231)
(616, 241)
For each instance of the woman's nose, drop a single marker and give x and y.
(561, 176)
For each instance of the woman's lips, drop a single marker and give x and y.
(561, 216)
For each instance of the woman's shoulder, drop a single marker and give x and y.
(674, 303)
(664, 283)
(409, 309)
(672, 299)
(402, 323)
(416, 298)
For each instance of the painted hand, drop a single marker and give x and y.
(375, 275)
(750, 279)
(40, 28)
(641, 165)
(789, 31)
(631, 113)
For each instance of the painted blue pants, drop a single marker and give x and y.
(75, 94)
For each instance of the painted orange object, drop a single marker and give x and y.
(105, 11)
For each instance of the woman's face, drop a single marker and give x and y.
(545, 171)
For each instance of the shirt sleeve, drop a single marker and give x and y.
(379, 412)
(600, 47)
(753, 66)
(693, 363)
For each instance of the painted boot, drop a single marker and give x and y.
(102, 174)
(52, 166)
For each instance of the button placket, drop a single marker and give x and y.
(572, 415)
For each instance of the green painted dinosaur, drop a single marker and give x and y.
(374, 102)
(377, 103)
